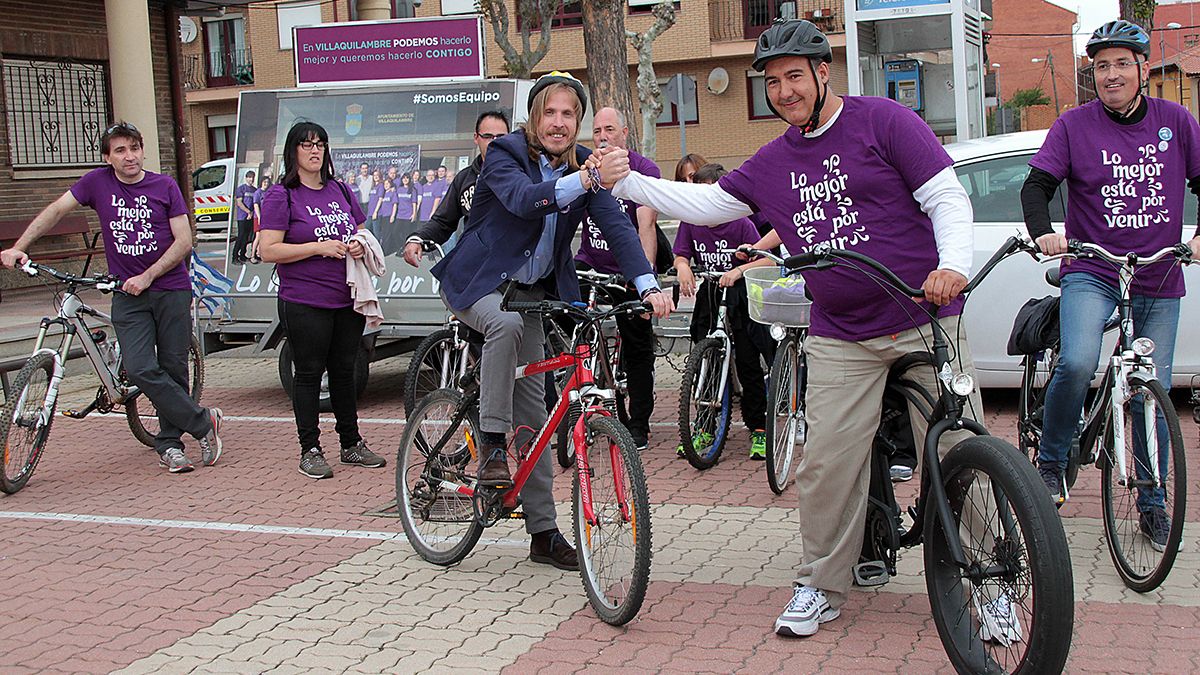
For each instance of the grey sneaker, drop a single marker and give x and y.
(900, 473)
(1053, 478)
(313, 464)
(175, 461)
(362, 456)
(210, 445)
(1156, 525)
(805, 613)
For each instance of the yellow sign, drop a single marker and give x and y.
(211, 209)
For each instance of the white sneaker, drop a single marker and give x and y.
(998, 620)
(806, 612)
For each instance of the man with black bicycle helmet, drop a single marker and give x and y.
(1127, 159)
(859, 173)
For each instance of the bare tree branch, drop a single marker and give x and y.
(649, 93)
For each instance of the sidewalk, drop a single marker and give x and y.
(111, 564)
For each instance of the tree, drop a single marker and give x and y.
(531, 15)
(1140, 12)
(649, 93)
(607, 64)
(1023, 98)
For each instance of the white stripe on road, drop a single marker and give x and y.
(229, 527)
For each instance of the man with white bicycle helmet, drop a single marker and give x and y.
(858, 173)
(1127, 159)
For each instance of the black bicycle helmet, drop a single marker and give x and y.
(558, 77)
(795, 37)
(1119, 33)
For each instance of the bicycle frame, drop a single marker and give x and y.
(718, 332)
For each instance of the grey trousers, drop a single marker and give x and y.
(155, 331)
(506, 403)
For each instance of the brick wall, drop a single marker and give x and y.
(1037, 117)
(1014, 53)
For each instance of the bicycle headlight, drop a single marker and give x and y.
(1143, 346)
(962, 384)
(778, 331)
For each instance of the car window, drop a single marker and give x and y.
(208, 177)
(994, 186)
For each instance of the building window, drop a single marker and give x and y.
(56, 112)
(646, 6)
(227, 56)
(401, 9)
(756, 92)
(670, 114)
(220, 142)
(759, 14)
(569, 15)
(294, 15)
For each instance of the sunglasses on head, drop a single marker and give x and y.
(120, 126)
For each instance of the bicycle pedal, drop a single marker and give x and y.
(872, 573)
(76, 414)
(515, 515)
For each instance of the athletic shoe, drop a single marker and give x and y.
(1156, 525)
(210, 445)
(361, 455)
(175, 461)
(900, 473)
(700, 440)
(640, 441)
(806, 612)
(998, 620)
(1053, 479)
(758, 444)
(313, 464)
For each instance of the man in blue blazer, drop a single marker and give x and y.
(529, 200)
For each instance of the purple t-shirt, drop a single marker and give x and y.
(244, 194)
(852, 187)
(429, 192)
(315, 215)
(387, 203)
(376, 194)
(704, 245)
(593, 250)
(1125, 186)
(135, 222)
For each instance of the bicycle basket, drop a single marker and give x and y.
(777, 300)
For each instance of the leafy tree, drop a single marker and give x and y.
(1023, 98)
(1140, 12)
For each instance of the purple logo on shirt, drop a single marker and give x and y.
(132, 231)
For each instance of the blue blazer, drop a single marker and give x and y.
(506, 221)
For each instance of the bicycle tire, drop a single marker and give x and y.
(453, 530)
(1139, 565)
(1031, 404)
(785, 411)
(702, 378)
(617, 599)
(140, 411)
(20, 461)
(425, 369)
(1033, 547)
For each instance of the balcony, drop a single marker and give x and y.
(229, 68)
(734, 20)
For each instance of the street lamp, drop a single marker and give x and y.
(1053, 80)
(999, 99)
(1162, 53)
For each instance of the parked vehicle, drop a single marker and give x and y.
(993, 170)
(212, 195)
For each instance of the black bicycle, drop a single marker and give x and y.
(997, 567)
(1114, 434)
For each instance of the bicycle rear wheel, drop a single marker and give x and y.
(704, 405)
(24, 428)
(439, 522)
(786, 426)
(1011, 610)
(614, 548)
(140, 411)
(1031, 404)
(1142, 562)
(434, 365)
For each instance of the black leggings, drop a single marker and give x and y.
(323, 340)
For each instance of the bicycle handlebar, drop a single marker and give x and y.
(762, 253)
(602, 278)
(105, 283)
(1082, 249)
(575, 310)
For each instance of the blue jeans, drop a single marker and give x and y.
(1087, 302)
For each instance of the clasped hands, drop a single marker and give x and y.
(612, 163)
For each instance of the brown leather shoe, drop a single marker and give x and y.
(552, 548)
(493, 472)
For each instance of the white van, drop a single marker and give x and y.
(212, 195)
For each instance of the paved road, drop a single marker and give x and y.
(111, 564)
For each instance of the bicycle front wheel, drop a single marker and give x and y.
(438, 520)
(1011, 609)
(704, 404)
(786, 425)
(25, 422)
(614, 545)
(140, 411)
(1143, 518)
(435, 363)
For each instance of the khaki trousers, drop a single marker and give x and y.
(843, 404)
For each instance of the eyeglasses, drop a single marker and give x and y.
(120, 126)
(308, 146)
(488, 137)
(1123, 64)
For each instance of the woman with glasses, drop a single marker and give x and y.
(308, 221)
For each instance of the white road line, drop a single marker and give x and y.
(325, 420)
(228, 527)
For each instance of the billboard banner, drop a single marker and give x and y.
(870, 5)
(368, 52)
(405, 158)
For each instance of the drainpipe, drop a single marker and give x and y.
(182, 175)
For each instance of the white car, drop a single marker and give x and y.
(993, 170)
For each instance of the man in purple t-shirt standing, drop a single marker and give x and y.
(243, 196)
(637, 333)
(147, 237)
(859, 173)
(1127, 160)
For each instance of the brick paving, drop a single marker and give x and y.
(111, 564)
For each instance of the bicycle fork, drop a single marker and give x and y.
(579, 436)
(1122, 393)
